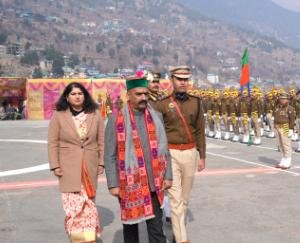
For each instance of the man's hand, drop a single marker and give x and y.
(201, 165)
(58, 172)
(100, 170)
(167, 185)
(115, 191)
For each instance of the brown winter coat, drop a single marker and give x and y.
(67, 151)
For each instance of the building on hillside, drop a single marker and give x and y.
(14, 49)
(2, 51)
(212, 78)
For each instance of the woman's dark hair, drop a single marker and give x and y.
(89, 105)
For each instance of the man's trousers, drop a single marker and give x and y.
(184, 164)
(154, 226)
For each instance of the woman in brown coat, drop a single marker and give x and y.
(75, 149)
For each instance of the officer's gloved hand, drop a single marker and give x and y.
(205, 115)
(272, 118)
(229, 118)
(291, 132)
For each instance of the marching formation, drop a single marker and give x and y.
(235, 116)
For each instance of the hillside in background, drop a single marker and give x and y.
(261, 16)
(107, 35)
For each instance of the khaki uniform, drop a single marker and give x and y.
(225, 115)
(109, 106)
(256, 109)
(204, 103)
(297, 123)
(297, 110)
(233, 112)
(155, 97)
(184, 153)
(244, 114)
(269, 107)
(210, 122)
(284, 118)
(217, 117)
(293, 101)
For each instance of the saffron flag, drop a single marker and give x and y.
(245, 73)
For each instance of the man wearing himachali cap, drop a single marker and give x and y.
(137, 162)
(184, 123)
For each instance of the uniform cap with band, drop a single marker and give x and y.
(183, 72)
(156, 75)
(284, 95)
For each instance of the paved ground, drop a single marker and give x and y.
(240, 198)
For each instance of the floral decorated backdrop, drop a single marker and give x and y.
(43, 93)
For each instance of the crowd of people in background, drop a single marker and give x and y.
(12, 111)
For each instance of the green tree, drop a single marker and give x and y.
(156, 53)
(30, 58)
(50, 53)
(27, 46)
(3, 37)
(138, 52)
(37, 73)
(58, 60)
(57, 67)
(100, 47)
(112, 53)
(1, 70)
(74, 60)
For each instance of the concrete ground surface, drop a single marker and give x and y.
(239, 198)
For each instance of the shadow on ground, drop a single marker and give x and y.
(269, 161)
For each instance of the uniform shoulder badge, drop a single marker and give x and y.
(165, 97)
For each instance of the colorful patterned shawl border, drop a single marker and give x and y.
(135, 196)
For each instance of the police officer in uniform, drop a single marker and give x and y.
(297, 122)
(155, 95)
(108, 104)
(216, 114)
(293, 102)
(284, 119)
(225, 113)
(233, 112)
(269, 107)
(244, 115)
(184, 123)
(256, 107)
(209, 108)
